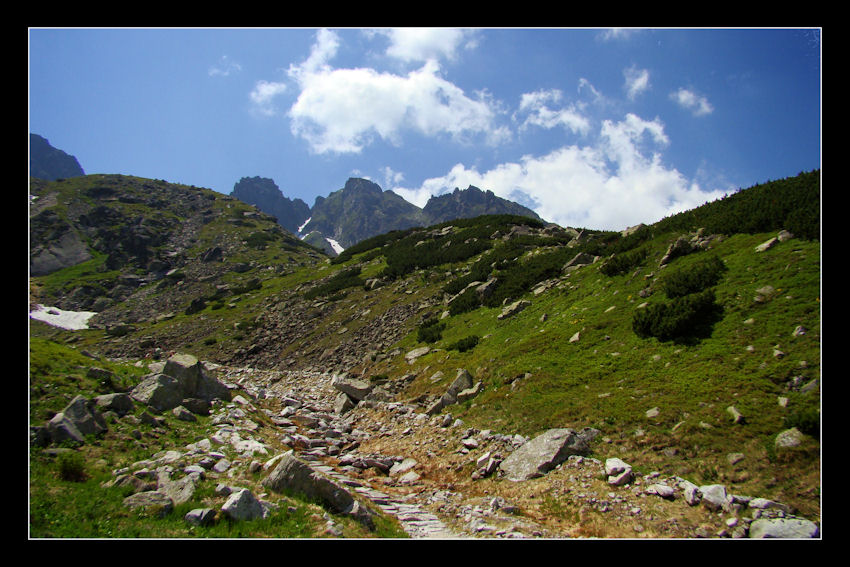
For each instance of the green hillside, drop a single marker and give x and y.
(650, 338)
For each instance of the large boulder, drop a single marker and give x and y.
(79, 419)
(787, 528)
(546, 451)
(293, 474)
(183, 378)
(159, 392)
(355, 389)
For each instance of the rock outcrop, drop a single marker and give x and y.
(543, 453)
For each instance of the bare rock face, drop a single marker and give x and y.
(545, 452)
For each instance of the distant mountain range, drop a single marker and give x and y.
(361, 209)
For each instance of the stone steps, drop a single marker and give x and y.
(417, 522)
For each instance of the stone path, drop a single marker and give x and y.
(417, 522)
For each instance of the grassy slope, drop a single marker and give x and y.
(610, 377)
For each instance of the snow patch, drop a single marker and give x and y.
(70, 320)
(335, 245)
(300, 228)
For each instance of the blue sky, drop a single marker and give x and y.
(592, 128)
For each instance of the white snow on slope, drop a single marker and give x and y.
(300, 228)
(335, 245)
(71, 320)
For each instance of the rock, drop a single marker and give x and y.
(343, 404)
(788, 528)
(152, 501)
(403, 466)
(789, 438)
(200, 516)
(513, 309)
(158, 391)
(179, 491)
(650, 413)
(120, 403)
(737, 417)
(767, 245)
(355, 389)
(661, 490)
(79, 419)
(545, 452)
(242, 505)
(470, 393)
(714, 497)
(579, 260)
(692, 492)
(416, 353)
(618, 471)
(183, 414)
(293, 474)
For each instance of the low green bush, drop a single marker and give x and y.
(464, 344)
(690, 316)
(694, 278)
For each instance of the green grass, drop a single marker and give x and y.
(611, 377)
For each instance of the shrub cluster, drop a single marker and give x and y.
(464, 344)
(430, 331)
(693, 279)
(342, 280)
(622, 263)
(688, 316)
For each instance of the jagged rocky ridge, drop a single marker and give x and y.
(361, 209)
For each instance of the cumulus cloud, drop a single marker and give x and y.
(539, 113)
(423, 44)
(224, 67)
(689, 100)
(618, 181)
(345, 110)
(637, 81)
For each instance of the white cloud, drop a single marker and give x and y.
(344, 110)
(536, 104)
(609, 185)
(697, 104)
(637, 81)
(263, 95)
(423, 44)
(224, 67)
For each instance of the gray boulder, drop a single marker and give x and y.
(787, 528)
(159, 392)
(355, 389)
(242, 505)
(293, 474)
(200, 516)
(513, 309)
(120, 403)
(155, 503)
(546, 451)
(79, 419)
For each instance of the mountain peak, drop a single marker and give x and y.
(49, 163)
(360, 185)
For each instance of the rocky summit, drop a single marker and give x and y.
(493, 377)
